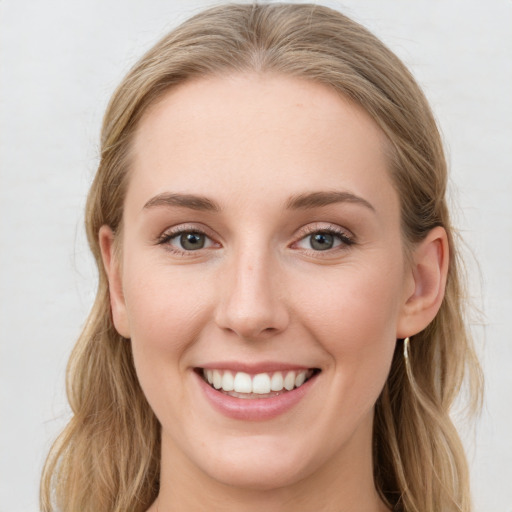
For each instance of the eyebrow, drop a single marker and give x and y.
(317, 199)
(304, 201)
(191, 201)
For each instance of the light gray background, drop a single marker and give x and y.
(60, 61)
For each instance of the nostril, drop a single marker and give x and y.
(250, 328)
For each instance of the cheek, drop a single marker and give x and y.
(356, 300)
(353, 316)
(163, 305)
(166, 313)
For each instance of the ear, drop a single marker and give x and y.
(113, 270)
(425, 284)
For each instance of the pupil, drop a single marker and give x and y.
(192, 241)
(322, 241)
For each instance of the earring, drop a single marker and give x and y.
(406, 350)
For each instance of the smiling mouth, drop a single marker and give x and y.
(260, 385)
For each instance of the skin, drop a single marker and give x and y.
(258, 291)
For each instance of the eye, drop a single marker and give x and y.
(324, 240)
(190, 241)
(186, 241)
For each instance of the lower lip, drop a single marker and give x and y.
(254, 409)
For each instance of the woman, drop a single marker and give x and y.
(279, 318)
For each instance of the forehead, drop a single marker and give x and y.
(247, 133)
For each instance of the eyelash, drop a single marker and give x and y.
(345, 239)
(339, 233)
(167, 236)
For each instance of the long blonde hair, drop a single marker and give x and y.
(108, 456)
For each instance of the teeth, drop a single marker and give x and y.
(228, 381)
(277, 382)
(299, 380)
(261, 383)
(289, 381)
(243, 383)
(217, 379)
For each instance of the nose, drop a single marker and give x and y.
(252, 301)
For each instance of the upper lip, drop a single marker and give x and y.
(254, 368)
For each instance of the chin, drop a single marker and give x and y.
(260, 466)
(257, 477)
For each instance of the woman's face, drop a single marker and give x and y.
(261, 248)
